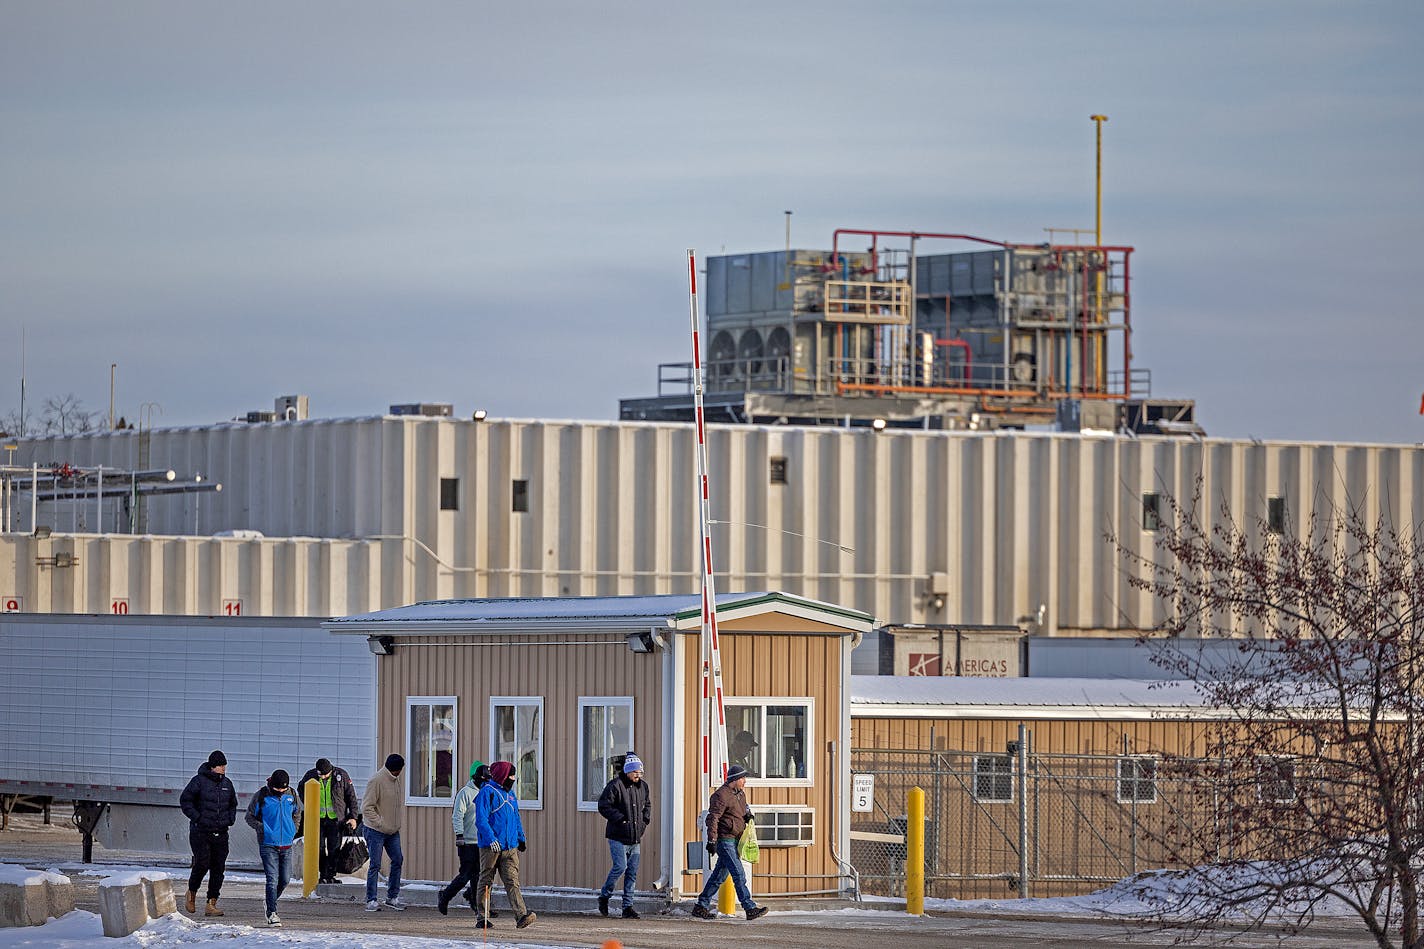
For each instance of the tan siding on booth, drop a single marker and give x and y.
(761, 663)
(566, 845)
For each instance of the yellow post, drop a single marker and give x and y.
(726, 898)
(311, 837)
(915, 855)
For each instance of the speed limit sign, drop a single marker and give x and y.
(12, 604)
(862, 792)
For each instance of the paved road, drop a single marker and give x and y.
(37, 846)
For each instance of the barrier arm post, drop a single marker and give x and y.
(311, 838)
(915, 854)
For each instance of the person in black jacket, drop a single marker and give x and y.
(210, 804)
(626, 803)
(337, 808)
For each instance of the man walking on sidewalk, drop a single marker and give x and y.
(462, 821)
(727, 814)
(626, 803)
(276, 815)
(501, 839)
(210, 804)
(337, 808)
(381, 812)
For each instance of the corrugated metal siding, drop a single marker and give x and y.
(1014, 519)
(761, 659)
(566, 845)
(139, 701)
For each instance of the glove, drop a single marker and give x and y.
(459, 840)
(711, 848)
(750, 816)
(494, 846)
(521, 846)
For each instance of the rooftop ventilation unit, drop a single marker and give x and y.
(428, 409)
(255, 417)
(291, 408)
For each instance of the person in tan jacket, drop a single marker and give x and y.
(381, 811)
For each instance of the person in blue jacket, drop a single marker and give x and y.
(276, 815)
(500, 834)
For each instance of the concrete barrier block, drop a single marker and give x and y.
(158, 893)
(29, 897)
(128, 901)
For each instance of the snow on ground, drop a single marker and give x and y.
(81, 930)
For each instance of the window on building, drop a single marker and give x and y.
(1151, 512)
(993, 778)
(517, 736)
(1276, 779)
(605, 738)
(449, 494)
(786, 826)
(778, 470)
(771, 738)
(1137, 780)
(1276, 515)
(430, 749)
(521, 496)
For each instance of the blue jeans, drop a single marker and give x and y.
(729, 863)
(277, 867)
(390, 843)
(625, 864)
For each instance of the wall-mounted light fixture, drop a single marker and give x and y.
(381, 645)
(641, 641)
(878, 424)
(42, 531)
(480, 415)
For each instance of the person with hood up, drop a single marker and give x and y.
(500, 834)
(210, 804)
(276, 815)
(462, 821)
(727, 815)
(337, 808)
(626, 803)
(381, 811)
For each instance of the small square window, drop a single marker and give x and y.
(787, 826)
(449, 494)
(1275, 780)
(778, 470)
(521, 496)
(993, 778)
(1276, 515)
(1137, 780)
(1151, 512)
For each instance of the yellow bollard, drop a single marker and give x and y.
(727, 898)
(311, 837)
(915, 854)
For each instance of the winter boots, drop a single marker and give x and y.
(212, 909)
(191, 903)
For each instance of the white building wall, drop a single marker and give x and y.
(351, 507)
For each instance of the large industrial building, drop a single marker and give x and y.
(910, 526)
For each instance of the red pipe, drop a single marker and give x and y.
(968, 355)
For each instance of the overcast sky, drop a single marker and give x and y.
(488, 203)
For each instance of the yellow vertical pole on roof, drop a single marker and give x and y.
(915, 854)
(311, 837)
(1101, 369)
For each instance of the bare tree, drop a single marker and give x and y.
(66, 415)
(1311, 791)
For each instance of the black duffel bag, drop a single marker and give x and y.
(351, 855)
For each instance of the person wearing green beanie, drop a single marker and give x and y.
(462, 821)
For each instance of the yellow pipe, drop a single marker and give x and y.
(311, 837)
(915, 855)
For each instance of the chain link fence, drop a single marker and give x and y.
(1018, 823)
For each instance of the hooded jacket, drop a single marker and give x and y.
(497, 811)
(384, 804)
(627, 807)
(209, 801)
(276, 816)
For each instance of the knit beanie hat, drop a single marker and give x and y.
(217, 759)
(394, 763)
(501, 771)
(632, 763)
(475, 766)
(323, 767)
(280, 780)
(735, 772)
